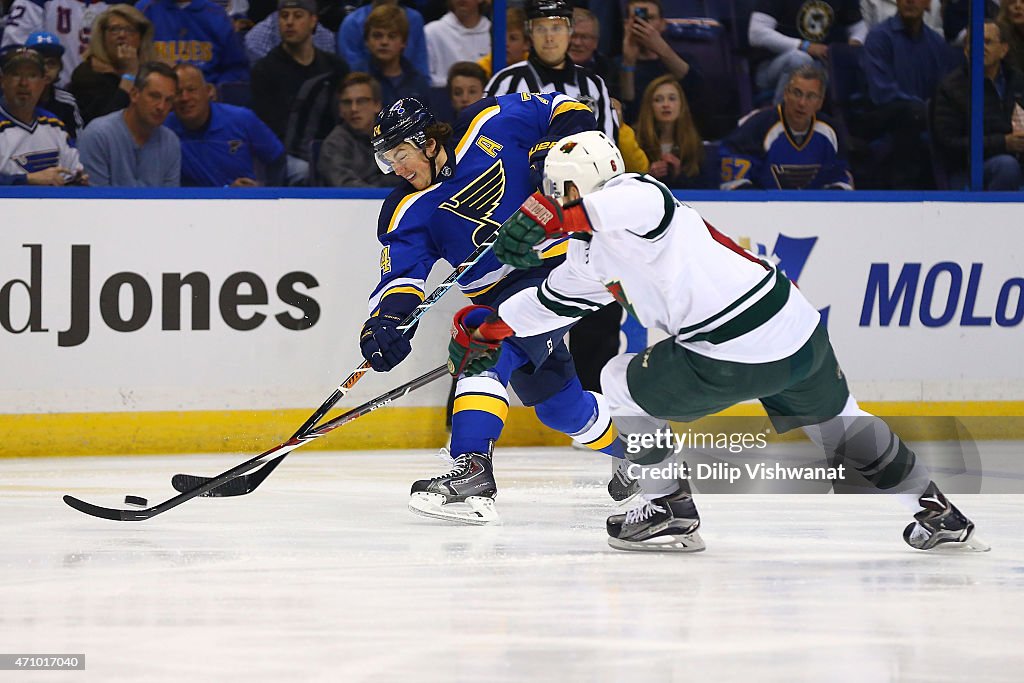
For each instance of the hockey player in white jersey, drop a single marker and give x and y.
(739, 331)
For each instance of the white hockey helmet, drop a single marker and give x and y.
(587, 160)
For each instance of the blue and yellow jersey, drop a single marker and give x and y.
(484, 181)
(766, 154)
(198, 33)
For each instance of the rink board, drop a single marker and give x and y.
(184, 325)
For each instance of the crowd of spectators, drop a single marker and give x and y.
(731, 94)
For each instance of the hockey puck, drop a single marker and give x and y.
(136, 500)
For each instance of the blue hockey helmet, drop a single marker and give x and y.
(406, 120)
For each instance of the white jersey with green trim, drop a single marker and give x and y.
(672, 271)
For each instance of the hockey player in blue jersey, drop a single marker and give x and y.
(460, 186)
(790, 146)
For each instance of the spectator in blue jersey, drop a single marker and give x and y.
(904, 61)
(789, 146)
(346, 158)
(266, 35)
(221, 143)
(198, 32)
(56, 100)
(646, 55)
(279, 78)
(352, 40)
(788, 34)
(1003, 134)
(386, 32)
(34, 148)
(131, 148)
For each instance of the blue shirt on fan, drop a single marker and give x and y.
(901, 66)
(113, 159)
(223, 150)
(199, 33)
(764, 153)
(352, 46)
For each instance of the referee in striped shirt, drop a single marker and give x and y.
(595, 339)
(549, 69)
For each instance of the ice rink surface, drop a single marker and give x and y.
(323, 575)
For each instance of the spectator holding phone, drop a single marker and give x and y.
(646, 56)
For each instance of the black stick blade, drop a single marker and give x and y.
(239, 486)
(108, 513)
(187, 482)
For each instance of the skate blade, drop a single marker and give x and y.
(688, 543)
(970, 544)
(948, 545)
(477, 510)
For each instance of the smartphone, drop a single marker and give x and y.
(640, 13)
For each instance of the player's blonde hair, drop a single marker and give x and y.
(98, 49)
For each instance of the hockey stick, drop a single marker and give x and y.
(247, 483)
(301, 432)
(274, 455)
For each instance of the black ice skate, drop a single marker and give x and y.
(666, 524)
(465, 494)
(622, 486)
(940, 523)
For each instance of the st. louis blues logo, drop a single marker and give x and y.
(478, 201)
(40, 160)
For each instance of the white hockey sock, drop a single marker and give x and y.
(663, 484)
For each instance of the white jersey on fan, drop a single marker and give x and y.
(672, 271)
(70, 20)
(27, 148)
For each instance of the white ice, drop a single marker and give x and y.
(323, 575)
